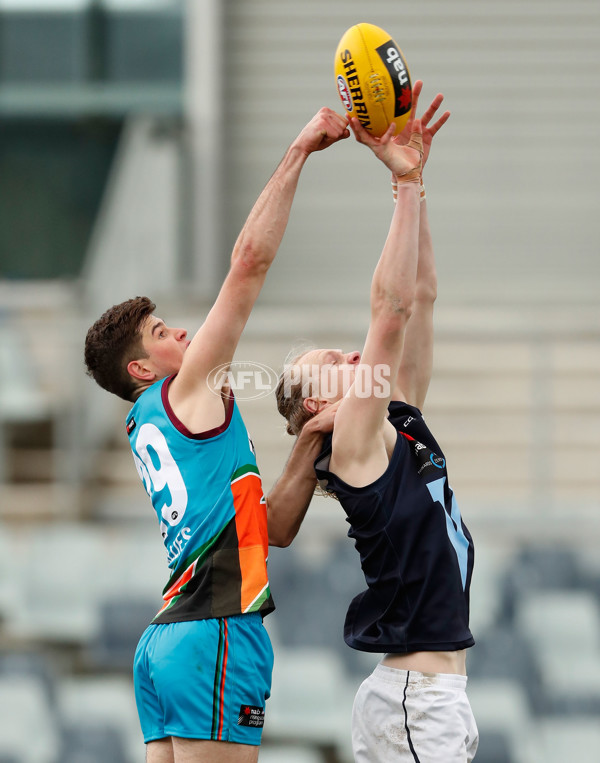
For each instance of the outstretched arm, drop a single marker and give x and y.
(359, 454)
(195, 392)
(414, 373)
(290, 497)
(253, 253)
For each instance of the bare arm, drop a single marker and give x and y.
(359, 454)
(414, 374)
(255, 249)
(290, 497)
(215, 342)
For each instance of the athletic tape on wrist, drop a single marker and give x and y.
(422, 193)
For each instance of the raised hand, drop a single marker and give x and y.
(428, 131)
(324, 129)
(404, 161)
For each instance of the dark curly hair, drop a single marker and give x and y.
(113, 341)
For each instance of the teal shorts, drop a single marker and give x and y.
(204, 679)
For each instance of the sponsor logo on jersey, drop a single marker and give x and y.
(251, 716)
(130, 426)
(425, 456)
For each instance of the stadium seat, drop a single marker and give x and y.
(590, 566)
(25, 663)
(560, 621)
(288, 754)
(57, 602)
(504, 653)
(501, 709)
(311, 698)
(133, 559)
(109, 701)
(563, 629)
(537, 569)
(93, 743)
(571, 684)
(122, 622)
(486, 584)
(576, 740)
(300, 592)
(312, 594)
(494, 747)
(27, 725)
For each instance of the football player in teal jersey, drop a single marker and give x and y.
(203, 667)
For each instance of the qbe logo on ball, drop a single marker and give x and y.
(247, 379)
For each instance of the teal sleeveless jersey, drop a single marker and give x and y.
(207, 494)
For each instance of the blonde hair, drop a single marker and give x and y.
(291, 405)
(290, 396)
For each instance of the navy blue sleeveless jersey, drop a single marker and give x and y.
(415, 551)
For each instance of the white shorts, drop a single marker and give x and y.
(403, 715)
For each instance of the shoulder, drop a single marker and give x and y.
(402, 415)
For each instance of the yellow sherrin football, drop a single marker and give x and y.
(372, 78)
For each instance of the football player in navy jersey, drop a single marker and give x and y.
(202, 669)
(390, 476)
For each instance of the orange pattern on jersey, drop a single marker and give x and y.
(175, 589)
(253, 539)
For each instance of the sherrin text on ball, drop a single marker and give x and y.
(373, 80)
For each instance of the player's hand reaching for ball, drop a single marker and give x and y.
(323, 130)
(404, 161)
(428, 131)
